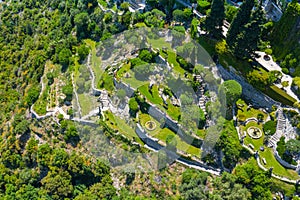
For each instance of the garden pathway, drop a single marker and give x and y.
(271, 65)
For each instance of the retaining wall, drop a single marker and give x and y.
(257, 98)
(282, 162)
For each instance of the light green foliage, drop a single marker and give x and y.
(232, 90)
(230, 145)
(230, 13)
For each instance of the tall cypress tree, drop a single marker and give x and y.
(247, 40)
(214, 21)
(240, 20)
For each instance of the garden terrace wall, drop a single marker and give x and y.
(157, 114)
(282, 162)
(257, 98)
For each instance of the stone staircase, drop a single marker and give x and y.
(281, 123)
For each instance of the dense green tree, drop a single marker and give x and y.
(179, 15)
(232, 90)
(247, 40)
(58, 184)
(50, 78)
(215, 19)
(240, 20)
(230, 13)
(22, 127)
(168, 6)
(230, 145)
(258, 79)
(81, 21)
(64, 57)
(133, 106)
(83, 52)
(32, 95)
(269, 127)
(193, 185)
(152, 3)
(226, 187)
(194, 28)
(293, 147)
(68, 91)
(254, 179)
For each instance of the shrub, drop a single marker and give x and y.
(269, 51)
(269, 127)
(285, 70)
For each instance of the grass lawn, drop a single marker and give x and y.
(95, 60)
(244, 113)
(162, 134)
(86, 103)
(40, 107)
(201, 133)
(117, 123)
(133, 82)
(125, 68)
(279, 95)
(172, 60)
(257, 143)
(181, 145)
(173, 111)
(145, 118)
(160, 43)
(154, 97)
(271, 161)
(278, 169)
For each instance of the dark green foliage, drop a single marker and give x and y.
(269, 127)
(281, 146)
(168, 6)
(203, 6)
(256, 180)
(214, 21)
(230, 145)
(193, 184)
(155, 18)
(285, 35)
(247, 39)
(68, 91)
(81, 21)
(230, 13)
(133, 106)
(50, 78)
(32, 95)
(240, 20)
(82, 51)
(227, 187)
(22, 127)
(293, 147)
(64, 57)
(146, 56)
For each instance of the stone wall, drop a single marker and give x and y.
(120, 85)
(257, 98)
(155, 145)
(282, 162)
